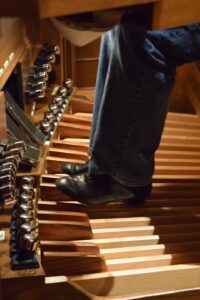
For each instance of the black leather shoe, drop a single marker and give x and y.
(94, 189)
(73, 168)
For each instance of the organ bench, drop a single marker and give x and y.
(108, 251)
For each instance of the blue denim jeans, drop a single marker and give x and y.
(136, 74)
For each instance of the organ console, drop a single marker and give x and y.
(51, 246)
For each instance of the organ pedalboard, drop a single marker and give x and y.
(54, 247)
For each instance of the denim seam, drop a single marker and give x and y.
(93, 132)
(124, 140)
(132, 184)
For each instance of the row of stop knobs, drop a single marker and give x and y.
(23, 228)
(56, 108)
(41, 68)
(11, 155)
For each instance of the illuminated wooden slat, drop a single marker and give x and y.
(50, 178)
(87, 116)
(124, 212)
(62, 215)
(121, 242)
(145, 230)
(181, 131)
(152, 261)
(69, 145)
(50, 192)
(143, 221)
(177, 154)
(137, 251)
(182, 118)
(180, 124)
(173, 120)
(179, 139)
(175, 186)
(89, 93)
(170, 177)
(172, 202)
(143, 282)
(66, 130)
(70, 263)
(77, 141)
(75, 119)
(81, 246)
(177, 170)
(63, 230)
(81, 105)
(171, 161)
(64, 206)
(54, 163)
(57, 152)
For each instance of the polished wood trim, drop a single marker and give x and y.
(53, 8)
(173, 13)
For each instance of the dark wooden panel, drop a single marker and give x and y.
(52, 8)
(89, 69)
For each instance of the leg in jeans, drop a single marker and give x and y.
(104, 59)
(135, 78)
(133, 104)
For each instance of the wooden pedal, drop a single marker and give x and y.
(63, 230)
(71, 263)
(70, 206)
(54, 163)
(50, 192)
(74, 154)
(76, 119)
(79, 246)
(66, 130)
(67, 145)
(150, 282)
(88, 93)
(79, 105)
